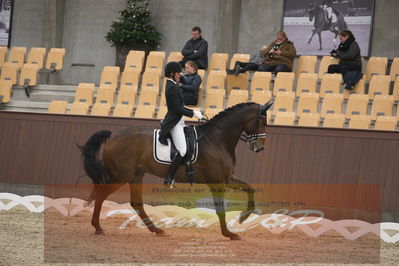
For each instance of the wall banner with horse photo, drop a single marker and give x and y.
(313, 25)
(6, 7)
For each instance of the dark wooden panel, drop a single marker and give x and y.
(41, 149)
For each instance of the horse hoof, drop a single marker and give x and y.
(99, 232)
(160, 233)
(235, 237)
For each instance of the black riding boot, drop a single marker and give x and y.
(173, 168)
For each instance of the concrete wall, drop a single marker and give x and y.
(228, 25)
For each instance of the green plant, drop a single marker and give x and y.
(133, 27)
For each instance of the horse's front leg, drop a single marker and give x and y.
(238, 184)
(311, 37)
(136, 201)
(218, 199)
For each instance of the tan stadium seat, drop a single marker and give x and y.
(130, 79)
(376, 66)
(155, 63)
(79, 108)
(239, 82)
(36, 56)
(240, 58)
(393, 73)
(360, 122)
(307, 83)
(334, 120)
(360, 88)
(175, 57)
(284, 102)
(284, 82)
(105, 95)
(110, 76)
(332, 104)
(379, 85)
(211, 112)
(236, 97)
(201, 73)
(216, 80)
(17, 56)
(3, 53)
(218, 61)
(55, 59)
(101, 109)
(386, 123)
(261, 97)
(308, 104)
(309, 120)
(126, 96)
(284, 119)
(151, 81)
(325, 62)
(58, 107)
(306, 64)
(158, 53)
(357, 105)
(9, 72)
(330, 83)
(148, 97)
(29, 75)
(214, 99)
(5, 91)
(382, 106)
(84, 93)
(396, 89)
(260, 81)
(123, 110)
(145, 111)
(134, 61)
(162, 112)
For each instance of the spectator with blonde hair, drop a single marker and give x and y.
(279, 54)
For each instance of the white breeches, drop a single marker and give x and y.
(178, 137)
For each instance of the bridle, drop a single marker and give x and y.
(252, 138)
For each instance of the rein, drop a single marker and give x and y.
(243, 136)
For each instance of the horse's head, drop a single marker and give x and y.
(311, 10)
(256, 128)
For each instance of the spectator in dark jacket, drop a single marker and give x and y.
(190, 83)
(196, 50)
(350, 63)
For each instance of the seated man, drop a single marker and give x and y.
(196, 50)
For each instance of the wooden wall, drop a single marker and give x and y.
(41, 149)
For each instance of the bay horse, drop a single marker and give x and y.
(320, 24)
(127, 156)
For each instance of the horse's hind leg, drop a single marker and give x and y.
(321, 46)
(238, 184)
(102, 192)
(136, 201)
(311, 37)
(218, 199)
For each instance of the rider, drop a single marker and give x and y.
(329, 12)
(173, 123)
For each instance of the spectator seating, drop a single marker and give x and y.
(134, 61)
(284, 82)
(79, 108)
(17, 56)
(325, 62)
(260, 81)
(379, 85)
(218, 61)
(334, 120)
(386, 123)
(360, 122)
(110, 77)
(58, 107)
(376, 66)
(55, 59)
(145, 111)
(155, 63)
(36, 56)
(394, 72)
(307, 83)
(175, 57)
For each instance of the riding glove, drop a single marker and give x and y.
(197, 114)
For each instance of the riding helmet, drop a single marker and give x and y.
(172, 67)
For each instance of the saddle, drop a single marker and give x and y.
(164, 153)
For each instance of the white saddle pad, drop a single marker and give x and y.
(161, 152)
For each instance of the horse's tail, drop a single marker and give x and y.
(93, 167)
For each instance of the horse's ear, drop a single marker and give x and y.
(266, 107)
